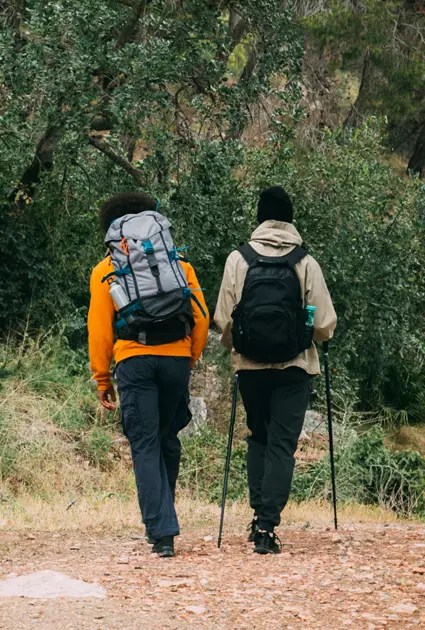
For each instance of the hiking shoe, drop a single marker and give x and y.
(252, 529)
(164, 547)
(150, 539)
(267, 542)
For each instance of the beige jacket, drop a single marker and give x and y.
(273, 238)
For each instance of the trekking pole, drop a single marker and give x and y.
(229, 452)
(330, 429)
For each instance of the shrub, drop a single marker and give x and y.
(369, 473)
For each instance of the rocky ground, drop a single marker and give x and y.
(366, 577)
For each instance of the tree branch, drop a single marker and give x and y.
(238, 26)
(120, 161)
(130, 27)
(42, 161)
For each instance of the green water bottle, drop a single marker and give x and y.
(311, 310)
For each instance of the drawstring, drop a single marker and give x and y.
(124, 246)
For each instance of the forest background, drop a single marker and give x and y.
(203, 104)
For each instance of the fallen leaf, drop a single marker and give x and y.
(196, 610)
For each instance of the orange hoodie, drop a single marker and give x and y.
(101, 332)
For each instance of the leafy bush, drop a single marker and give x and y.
(202, 467)
(367, 230)
(369, 473)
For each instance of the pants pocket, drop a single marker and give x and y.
(128, 414)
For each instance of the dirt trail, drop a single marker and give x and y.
(367, 577)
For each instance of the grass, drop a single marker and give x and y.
(66, 465)
(115, 512)
(408, 437)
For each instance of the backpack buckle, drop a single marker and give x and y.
(148, 247)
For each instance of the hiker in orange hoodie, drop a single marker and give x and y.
(153, 380)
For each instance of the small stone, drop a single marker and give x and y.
(208, 538)
(404, 608)
(30, 537)
(419, 570)
(336, 538)
(420, 586)
(196, 610)
(75, 548)
(123, 561)
(293, 610)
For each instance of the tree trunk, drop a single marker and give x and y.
(417, 161)
(42, 161)
(356, 116)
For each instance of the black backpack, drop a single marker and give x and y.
(269, 323)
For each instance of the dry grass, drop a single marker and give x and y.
(409, 437)
(48, 445)
(114, 513)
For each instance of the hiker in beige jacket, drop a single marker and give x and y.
(275, 395)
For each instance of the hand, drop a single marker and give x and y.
(106, 396)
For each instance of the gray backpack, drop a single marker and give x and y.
(148, 286)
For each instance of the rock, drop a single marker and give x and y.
(196, 610)
(178, 583)
(336, 538)
(404, 608)
(123, 560)
(314, 423)
(199, 411)
(49, 584)
(208, 538)
(419, 570)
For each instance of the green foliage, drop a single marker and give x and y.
(382, 42)
(162, 84)
(367, 472)
(367, 230)
(202, 466)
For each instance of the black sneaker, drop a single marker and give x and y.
(265, 542)
(150, 539)
(164, 547)
(252, 529)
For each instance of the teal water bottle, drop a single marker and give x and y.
(311, 310)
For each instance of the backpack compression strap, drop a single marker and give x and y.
(293, 258)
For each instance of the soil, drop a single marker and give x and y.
(369, 577)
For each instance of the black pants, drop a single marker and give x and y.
(275, 402)
(154, 408)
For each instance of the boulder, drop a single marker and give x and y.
(199, 411)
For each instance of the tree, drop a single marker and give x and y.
(102, 95)
(382, 42)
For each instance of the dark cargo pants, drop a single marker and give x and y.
(275, 402)
(154, 408)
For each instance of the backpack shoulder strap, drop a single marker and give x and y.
(248, 253)
(294, 257)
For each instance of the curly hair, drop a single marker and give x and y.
(124, 203)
